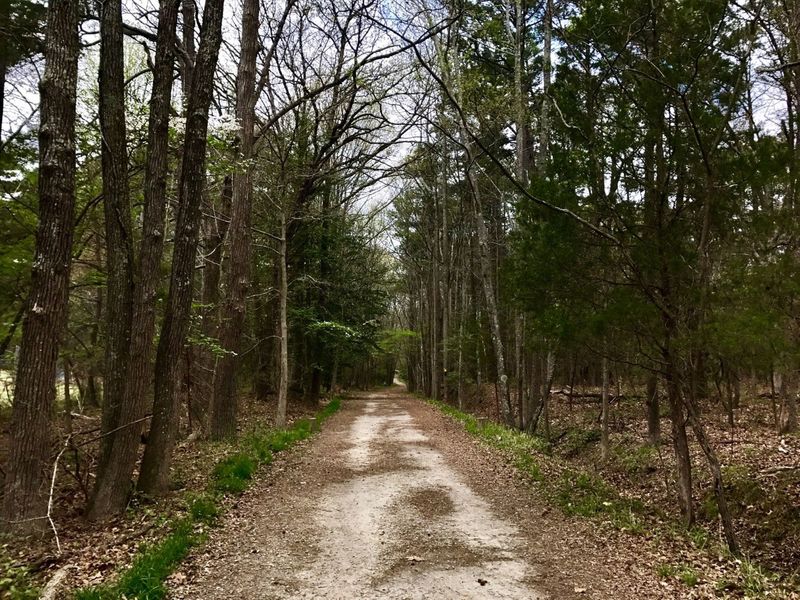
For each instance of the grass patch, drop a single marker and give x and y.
(637, 461)
(583, 494)
(232, 474)
(575, 492)
(687, 574)
(203, 508)
(145, 578)
(576, 440)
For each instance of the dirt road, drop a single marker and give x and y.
(392, 500)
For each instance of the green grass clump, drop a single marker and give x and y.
(576, 440)
(257, 444)
(665, 571)
(689, 576)
(586, 495)
(685, 573)
(145, 578)
(232, 473)
(203, 508)
(699, 536)
(640, 460)
(329, 409)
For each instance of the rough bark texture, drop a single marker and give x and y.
(188, 11)
(118, 229)
(223, 422)
(25, 497)
(154, 475)
(114, 481)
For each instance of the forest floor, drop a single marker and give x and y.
(95, 553)
(395, 500)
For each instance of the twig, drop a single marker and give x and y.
(52, 491)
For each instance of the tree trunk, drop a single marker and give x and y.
(189, 13)
(488, 287)
(604, 447)
(283, 294)
(788, 413)
(158, 452)
(716, 474)
(122, 446)
(67, 396)
(216, 228)
(25, 497)
(544, 118)
(653, 411)
(118, 226)
(680, 444)
(223, 421)
(3, 69)
(549, 370)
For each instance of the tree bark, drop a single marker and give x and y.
(653, 411)
(604, 446)
(114, 479)
(189, 14)
(223, 420)
(154, 475)
(25, 497)
(788, 412)
(283, 294)
(680, 443)
(118, 226)
(544, 117)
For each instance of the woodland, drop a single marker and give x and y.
(577, 218)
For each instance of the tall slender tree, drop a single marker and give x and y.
(114, 477)
(118, 224)
(26, 486)
(223, 419)
(154, 475)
